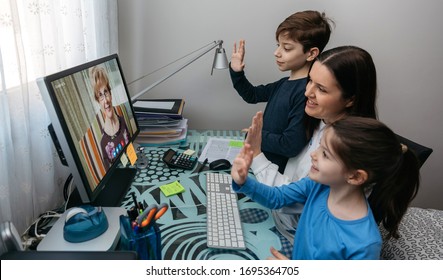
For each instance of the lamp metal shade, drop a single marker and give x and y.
(220, 60)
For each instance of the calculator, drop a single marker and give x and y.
(179, 160)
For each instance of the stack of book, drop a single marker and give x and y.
(161, 122)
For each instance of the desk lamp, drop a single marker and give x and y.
(220, 62)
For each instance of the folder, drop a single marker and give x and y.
(146, 108)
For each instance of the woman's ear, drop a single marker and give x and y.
(312, 54)
(350, 102)
(357, 177)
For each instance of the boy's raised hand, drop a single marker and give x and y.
(237, 57)
(240, 167)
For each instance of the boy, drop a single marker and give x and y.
(301, 37)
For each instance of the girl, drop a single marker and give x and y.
(356, 155)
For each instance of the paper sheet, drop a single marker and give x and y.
(218, 148)
(167, 105)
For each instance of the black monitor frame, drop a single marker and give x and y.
(114, 181)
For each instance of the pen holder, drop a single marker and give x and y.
(146, 241)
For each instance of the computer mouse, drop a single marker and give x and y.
(84, 223)
(220, 164)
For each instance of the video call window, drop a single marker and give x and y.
(98, 115)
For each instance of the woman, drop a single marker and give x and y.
(115, 133)
(342, 81)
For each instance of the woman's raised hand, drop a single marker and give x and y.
(254, 136)
(276, 255)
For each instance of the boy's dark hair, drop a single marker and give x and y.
(393, 169)
(309, 28)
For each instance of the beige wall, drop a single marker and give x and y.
(404, 38)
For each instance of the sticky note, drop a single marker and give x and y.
(132, 155)
(172, 188)
(124, 159)
(237, 144)
(189, 152)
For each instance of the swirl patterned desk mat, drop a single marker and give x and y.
(183, 227)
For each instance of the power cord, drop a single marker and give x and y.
(67, 190)
(38, 230)
(67, 187)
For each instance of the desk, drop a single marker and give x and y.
(183, 227)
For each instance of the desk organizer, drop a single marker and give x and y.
(146, 241)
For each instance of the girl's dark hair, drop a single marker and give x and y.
(310, 28)
(393, 169)
(354, 71)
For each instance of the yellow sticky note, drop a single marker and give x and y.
(189, 152)
(172, 188)
(132, 155)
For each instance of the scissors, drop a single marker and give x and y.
(146, 216)
(153, 212)
(161, 210)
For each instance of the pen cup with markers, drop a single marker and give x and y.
(146, 241)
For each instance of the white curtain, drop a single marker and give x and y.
(37, 38)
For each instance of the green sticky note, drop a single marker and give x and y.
(172, 188)
(237, 144)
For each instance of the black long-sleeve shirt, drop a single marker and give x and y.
(283, 134)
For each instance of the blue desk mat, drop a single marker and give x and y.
(183, 227)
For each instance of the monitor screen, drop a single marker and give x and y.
(94, 121)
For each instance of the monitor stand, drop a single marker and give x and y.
(114, 191)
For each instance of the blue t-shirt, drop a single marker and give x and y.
(319, 235)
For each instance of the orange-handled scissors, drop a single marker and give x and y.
(145, 218)
(161, 210)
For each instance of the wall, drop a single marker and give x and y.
(405, 40)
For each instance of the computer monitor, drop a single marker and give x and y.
(94, 122)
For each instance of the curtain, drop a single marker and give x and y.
(37, 38)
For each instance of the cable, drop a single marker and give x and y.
(38, 230)
(41, 226)
(65, 188)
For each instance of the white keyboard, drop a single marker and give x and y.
(224, 227)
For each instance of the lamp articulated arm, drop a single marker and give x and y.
(210, 47)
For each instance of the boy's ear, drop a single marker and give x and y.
(312, 54)
(357, 177)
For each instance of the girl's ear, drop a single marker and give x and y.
(312, 54)
(357, 177)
